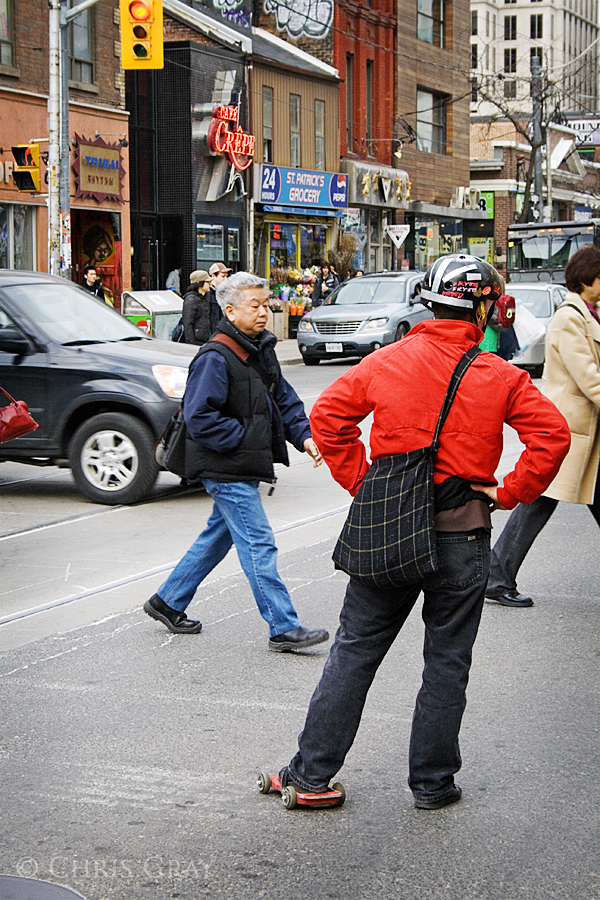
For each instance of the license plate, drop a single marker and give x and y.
(334, 348)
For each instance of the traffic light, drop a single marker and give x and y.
(27, 171)
(142, 34)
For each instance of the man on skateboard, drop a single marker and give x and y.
(403, 386)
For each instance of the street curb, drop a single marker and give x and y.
(291, 362)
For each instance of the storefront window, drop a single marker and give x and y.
(209, 245)
(17, 237)
(313, 247)
(283, 246)
(436, 237)
(233, 245)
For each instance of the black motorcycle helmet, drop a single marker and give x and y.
(461, 281)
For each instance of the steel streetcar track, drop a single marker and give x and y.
(148, 573)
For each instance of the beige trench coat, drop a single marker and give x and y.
(571, 380)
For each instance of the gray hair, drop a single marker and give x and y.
(230, 291)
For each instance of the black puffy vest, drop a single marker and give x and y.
(247, 401)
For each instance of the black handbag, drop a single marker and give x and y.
(389, 538)
(176, 451)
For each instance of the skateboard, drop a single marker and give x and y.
(291, 797)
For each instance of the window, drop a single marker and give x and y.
(267, 113)
(510, 60)
(349, 98)
(510, 1)
(209, 245)
(17, 236)
(474, 95)
(295, 130)
(6, 35)
(431, 122)
(430, 22)
(320, 135)
(510, 90)
(81, 53)
(536, 27)
(487, 23)
(535, 53)
(473, 56)
(369, 132)
(474, 21)
(510, 28)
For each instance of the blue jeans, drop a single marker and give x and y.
(237, 518)
(369, 623)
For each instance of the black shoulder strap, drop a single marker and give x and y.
(461, 368)
(572, 305)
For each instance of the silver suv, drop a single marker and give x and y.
(361, 316)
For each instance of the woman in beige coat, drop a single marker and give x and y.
(572, 381)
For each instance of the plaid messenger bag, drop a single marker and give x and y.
(388, 538)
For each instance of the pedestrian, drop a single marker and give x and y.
(239, 409)
(196, 309)
(571, 380)
(326, 283)
(403, 387)
(218, 273)
(91, 282)
(355, 273)
(173, 282)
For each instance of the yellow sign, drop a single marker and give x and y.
(99, 171)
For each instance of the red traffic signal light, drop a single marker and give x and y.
(141, 34)
(27, 171)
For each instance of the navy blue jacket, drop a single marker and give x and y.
(207, 392)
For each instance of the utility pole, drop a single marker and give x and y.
(65, 160)
(548, 214)
(54, 140)
(535, 203)
(59, 168)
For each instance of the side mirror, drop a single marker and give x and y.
(12, 341)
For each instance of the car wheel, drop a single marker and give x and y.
(401, 330)
(111, 458)
(311, 361)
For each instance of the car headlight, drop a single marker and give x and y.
(171, 380)
(376, 323)
(305, 325)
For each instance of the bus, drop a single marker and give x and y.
(540, 251)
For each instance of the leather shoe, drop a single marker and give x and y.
(511, 598)
(177, 622)
(450, 796)
(298, 639)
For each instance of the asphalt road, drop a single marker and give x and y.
(128, 755)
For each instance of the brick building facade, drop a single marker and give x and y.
(100, 227)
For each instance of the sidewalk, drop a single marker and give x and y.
(288, 353)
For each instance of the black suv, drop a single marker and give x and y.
(100, 389)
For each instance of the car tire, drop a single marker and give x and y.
(124, 447)
(310, 361)
(401, 330)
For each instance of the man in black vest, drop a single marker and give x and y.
(239, 410)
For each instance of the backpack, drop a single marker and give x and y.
(177, 333)
(503, 316)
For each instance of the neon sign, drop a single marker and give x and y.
(235, 144)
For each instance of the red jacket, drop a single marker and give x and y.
(403, 385)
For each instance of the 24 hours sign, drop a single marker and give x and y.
(300, 187)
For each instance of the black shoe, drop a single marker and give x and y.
(177, 622)
(511, 598)
(451, 796)
(298, 639)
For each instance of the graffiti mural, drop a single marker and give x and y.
(237, 11)
(312, 18)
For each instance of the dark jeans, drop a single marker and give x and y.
(519, 533)
(369, 623)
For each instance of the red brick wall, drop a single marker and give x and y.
(31, 26)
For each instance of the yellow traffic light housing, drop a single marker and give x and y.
(27, 171)
(142, 34)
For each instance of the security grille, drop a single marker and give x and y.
(338, 327)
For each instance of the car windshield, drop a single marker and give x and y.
(536, 300)
(365, 290)
(68, 315)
